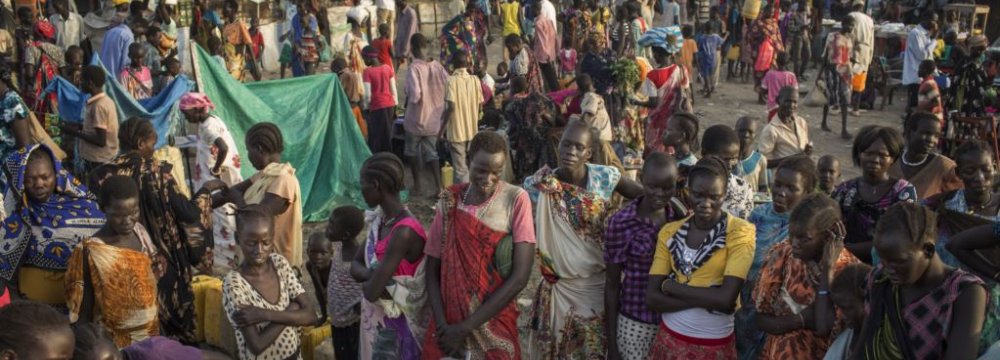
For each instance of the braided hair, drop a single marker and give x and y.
(24, 324)
(816, 211)
(134, 130)
(265, 137)
(385, 169)
(918, 221)
(689, 123)
(247, 214)
(712, 167)
(805, 167)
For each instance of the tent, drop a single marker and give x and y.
(322, 139)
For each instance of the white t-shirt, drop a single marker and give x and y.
(698, 322)
(671, 10)
(385, 5)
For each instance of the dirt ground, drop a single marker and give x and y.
(732, 100)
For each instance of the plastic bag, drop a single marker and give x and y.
(817, 96)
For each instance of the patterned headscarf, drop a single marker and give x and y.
(196, 100)
(668, 38)
(978, 40)
(44, 234)
(45, 29)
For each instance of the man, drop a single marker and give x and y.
(407, 24)
(425, 89)
(114, 50)
(545, 49)
(464, 98)
(547, 10)
(568, 317)
(864, 46)
(920, 46)
(99, 133)
(385, 13)
(68, 24)
(788, 136)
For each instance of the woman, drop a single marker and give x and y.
(571, 204)
(795, 178)
(863, 199)
(964, 209)
(49, 213)
(929, 172)
(699, 266)
(176, 225)
(522, 63)
(390, 267)
(354, 41)
(112, 275)
(532, 117)
(793, 292)
(238, 42)
(628, 252)
(42, 61)
(275, 188)
(14, 133)
(217, 159)
(918, 307)
(263, 299)
(466, 33)
(480, 253)
(668, 88)
(763, 39)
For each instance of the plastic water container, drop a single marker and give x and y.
(447, 175)
(751, 9)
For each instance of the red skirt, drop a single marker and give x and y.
(670, 345)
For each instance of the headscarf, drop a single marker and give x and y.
(369, 52)
(45, 29)
(667, 38)
(978, 40)
(196, 100)
(43, 235)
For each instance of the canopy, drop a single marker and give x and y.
(322, 139)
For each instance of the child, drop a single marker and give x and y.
(753, 164)
(721, 141)
(390, 262)
(775, 79)
(709, 46)
(215, 48)
(318, 266)
(136, 78)
(173, 69)
(380, 100)
(837, 53)
(31, 329)
(384, 45)
(848, 293)
(351, 82)
(688, 49)
(307, 49)
(502, 80)
(73, 71)
(928, 95)
(343, 293)
(112, 276)
(567, 57)
(285, 57)
(99, 132)
(257, 47)
(829, 173)
(263, 299)
(679, 139)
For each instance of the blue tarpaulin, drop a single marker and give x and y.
(159, 109)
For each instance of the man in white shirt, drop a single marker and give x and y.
(920, 46)
(547, 10)
(864, 42)
(68, 24)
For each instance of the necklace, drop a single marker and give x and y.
(919, 163)
(483, 209)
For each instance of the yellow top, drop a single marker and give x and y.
(732, 260)
(508, 12)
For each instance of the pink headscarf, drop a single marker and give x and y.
(195, 100)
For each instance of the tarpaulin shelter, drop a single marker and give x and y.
(159, 109)
(322, 140)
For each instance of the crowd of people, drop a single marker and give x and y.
(580, 159)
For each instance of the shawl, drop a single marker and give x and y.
(43, 235)
(675, 97)
(546, 41)
(408, 292)
(255, 195)
(464, 32)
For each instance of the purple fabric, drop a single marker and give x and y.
(158, 347)
(630, 241)
(114, 50)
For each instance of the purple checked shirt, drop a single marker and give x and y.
(630, 241)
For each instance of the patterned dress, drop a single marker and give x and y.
(237, 292)
(11, 108)
(568, 313)
(861, 216)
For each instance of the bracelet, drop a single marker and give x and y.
(823, 292)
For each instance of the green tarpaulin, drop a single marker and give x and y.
(322, 140)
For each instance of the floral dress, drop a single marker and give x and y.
(861, 216)
(238, 293)
(11, 108)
